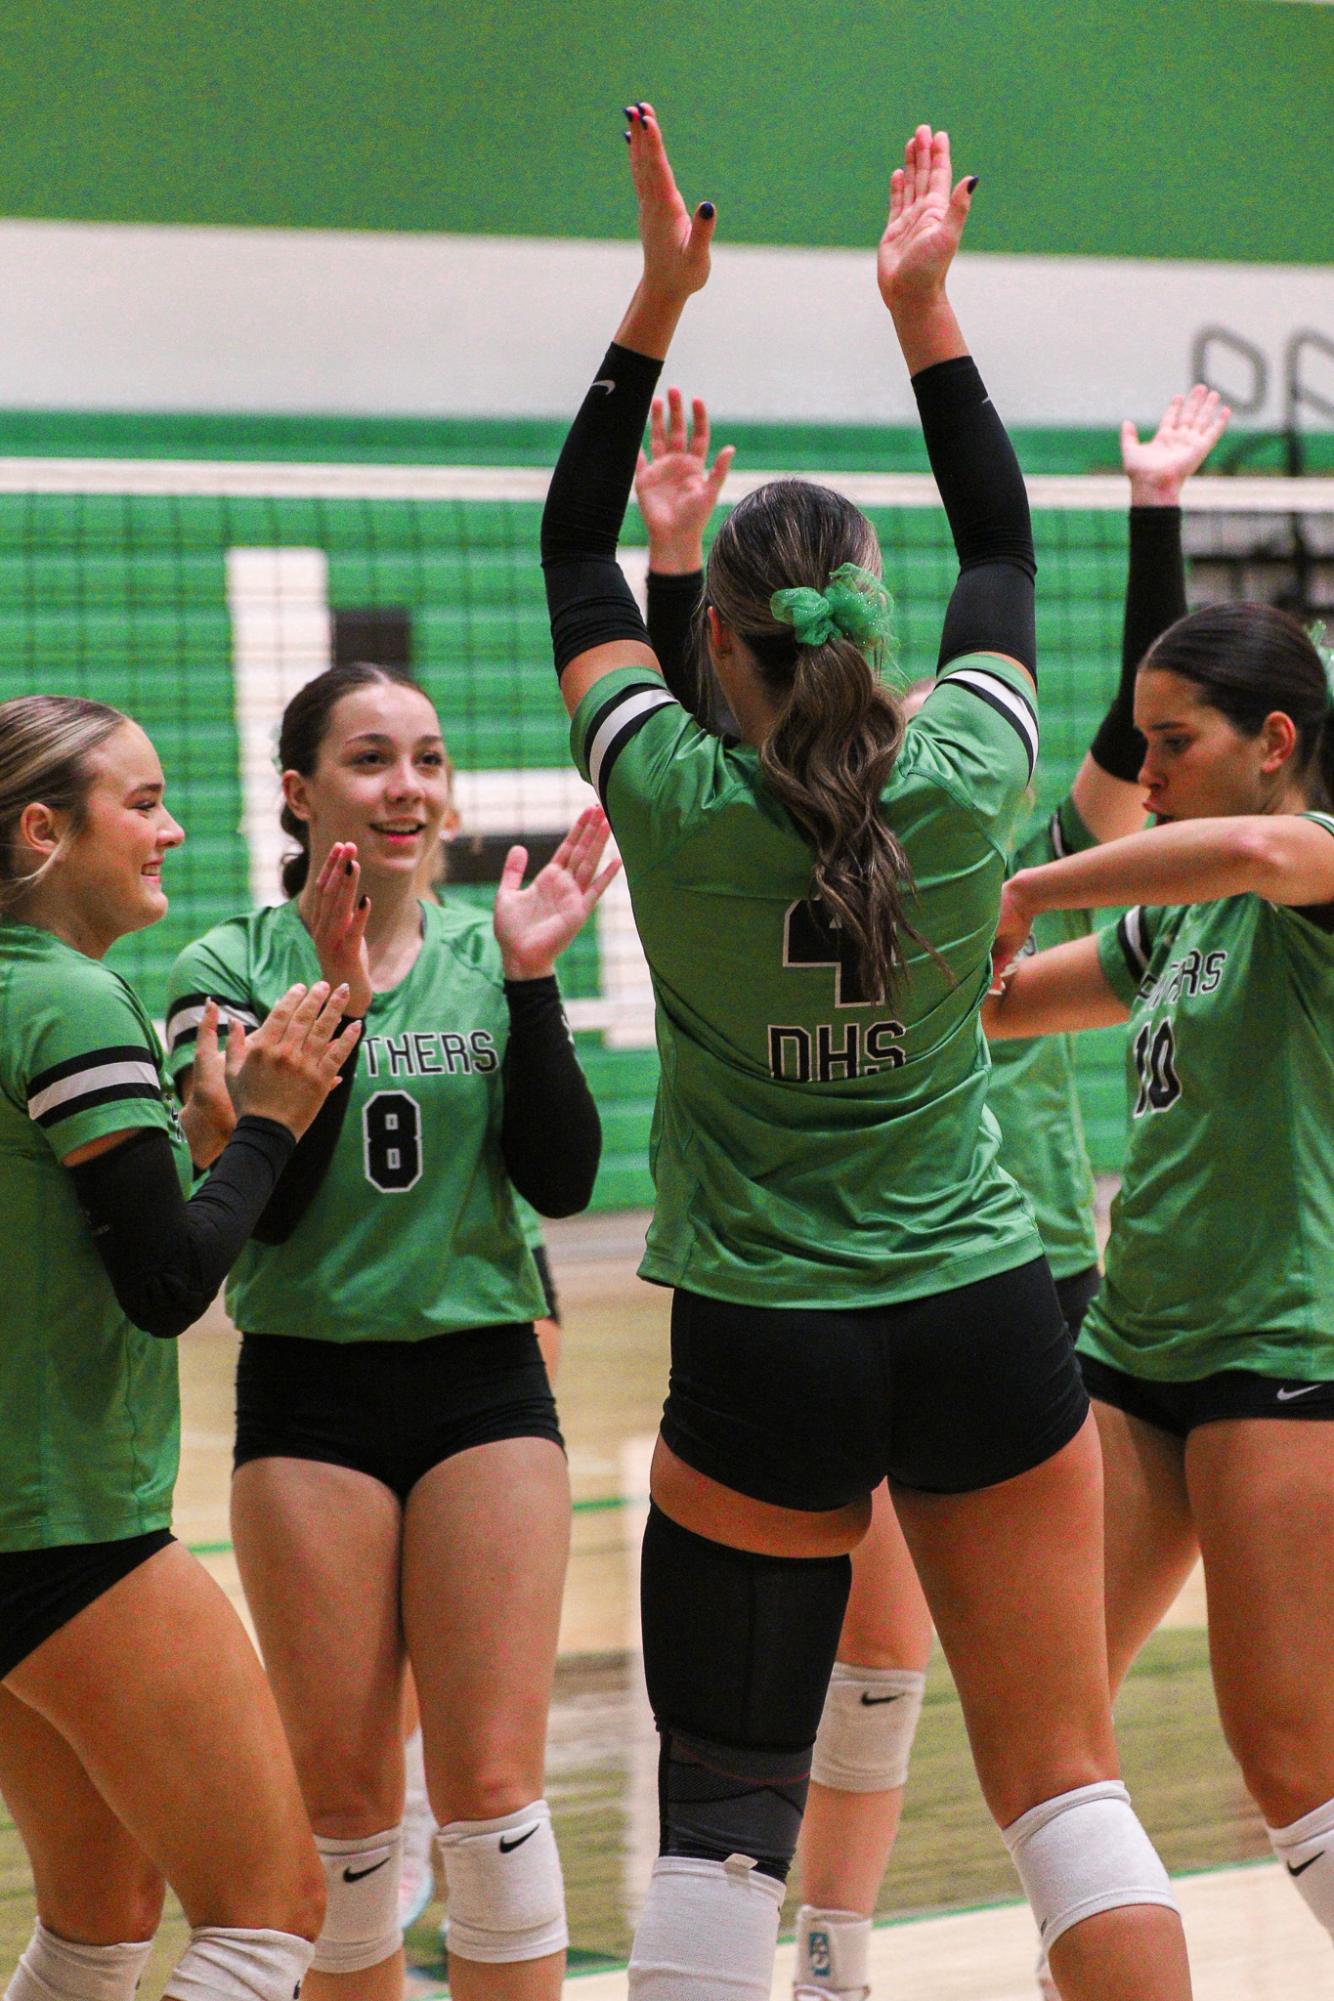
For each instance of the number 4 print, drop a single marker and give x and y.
(1159, 1085)
(811, 938)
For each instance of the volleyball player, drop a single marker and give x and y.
(862, 1749)
(401, 1488)
(138, 1738)
(1210, 1349)
(815, 904)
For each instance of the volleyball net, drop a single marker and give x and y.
(200, 595)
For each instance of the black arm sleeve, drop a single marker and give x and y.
(300, 1180)
(991, 609)
(588, 600)
(166, 1257)
(1155, 599)
(671, 615)
(550, 1135)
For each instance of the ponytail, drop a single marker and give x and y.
(794, 572)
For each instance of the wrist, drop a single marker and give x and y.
(675, 558)
(1146, 491)
(518, 969)
(1024, 891)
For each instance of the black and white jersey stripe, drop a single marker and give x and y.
(613, 726)
(186, 1014)
(1134, 938)
(997, 693)
(100, 1077)
(1060, 847)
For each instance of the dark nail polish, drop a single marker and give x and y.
(707, 210)
(972, 182)
(347, 868)
(640, 106)
(626, 137)
(362, 902)
(628, 111)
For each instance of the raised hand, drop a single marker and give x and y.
(1188, 430)
(675, 485)
(926, 219)
(209, 1118)
(293, 1058)
(534, 925)
(676, 243)
(336, 914)
(1012, 929)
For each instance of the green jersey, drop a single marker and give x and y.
(413, 1230)
(90, 1402)
(812, 1146)
(1034, 1094)
(1222, 1247)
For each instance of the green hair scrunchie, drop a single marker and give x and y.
(854, 603)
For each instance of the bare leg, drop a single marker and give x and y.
(157, 1693)
(1013, 1576)
(318, 1548)
(485, 1545)
(846, 1837)
(1149, 1537)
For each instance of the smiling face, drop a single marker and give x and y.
(1198, 764)
(381, 779)
(108, 880)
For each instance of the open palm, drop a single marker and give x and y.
(1187, 432)
(533, 926)
(926, 219)
(675, 485)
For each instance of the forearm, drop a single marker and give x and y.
(1281, 857)
(1053, 993)
(982, 488)
(166, 1257)
(673, 599)
(551, 1136)
(1155, 599)
(303, 1176)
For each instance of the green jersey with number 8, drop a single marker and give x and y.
(813, 1145)
(414, 1230)
(1222, 1247)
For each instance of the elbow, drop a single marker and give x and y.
(165, 1319)
(1257, 847)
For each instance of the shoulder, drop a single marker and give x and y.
(220, 966)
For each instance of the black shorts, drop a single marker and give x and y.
(1076, 1294)
(42, 1589)
(810, 1409)
(393, 1409)
(1179, 1407)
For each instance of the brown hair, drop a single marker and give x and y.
(46, 742)
(1247, 661)
(305, 725)
(838, 729)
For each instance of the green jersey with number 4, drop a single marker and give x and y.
(814, 1145)
(1034, 1092)
(413, 1231)
(1222, 1247)
(90, 1405)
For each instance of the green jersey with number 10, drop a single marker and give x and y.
(814, 1145)
(1222, 1247)
(414, 1230)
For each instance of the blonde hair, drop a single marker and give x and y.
(46, 743)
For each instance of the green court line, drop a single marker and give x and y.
(602, 1505)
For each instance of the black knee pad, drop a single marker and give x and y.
(738, 1650)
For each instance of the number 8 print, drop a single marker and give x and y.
(391, 1127)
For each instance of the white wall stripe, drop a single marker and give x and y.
(97, 1077)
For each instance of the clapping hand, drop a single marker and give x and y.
(533, 926)
(675, 485)
(209, 1116)
(926, 219)
(1189, 429)
(336, 919)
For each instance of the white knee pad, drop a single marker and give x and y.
(58, 1969)
(361, 1878)
(224, 1964)
(1306, 1850)
(506, 1895)
(1084, 1852)
(866, 1728)
(707, 1929)
(833, 1954)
